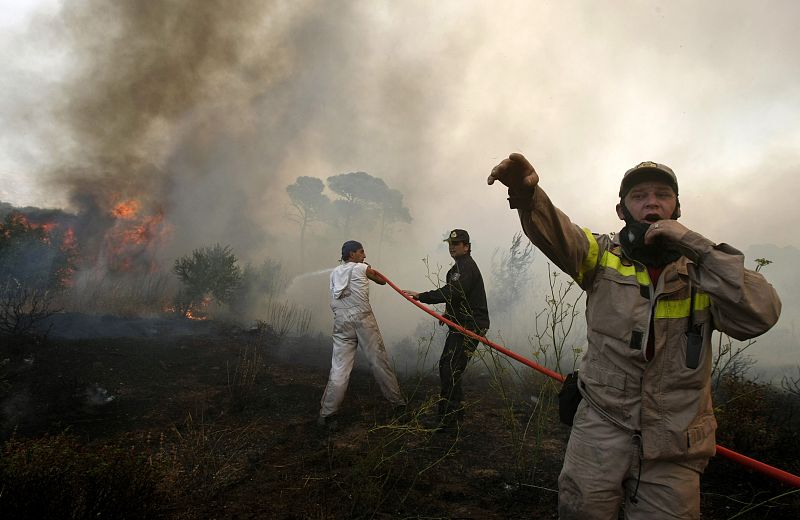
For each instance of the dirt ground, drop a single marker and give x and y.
(235, 412)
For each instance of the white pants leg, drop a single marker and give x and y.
(350, 331)
(370, 339)
(345, 343)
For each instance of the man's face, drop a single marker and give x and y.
(357, 256)
(650, 201)
(458, 249)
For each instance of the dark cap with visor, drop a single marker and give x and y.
(647, 171)
(458, 235)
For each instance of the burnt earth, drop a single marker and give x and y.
(231, 415)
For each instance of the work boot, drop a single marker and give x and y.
(451, 413)
(328, 422)
(432, 422)
(451, 417)
(400, 413)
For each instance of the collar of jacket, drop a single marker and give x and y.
(461, 259)
(675, 274)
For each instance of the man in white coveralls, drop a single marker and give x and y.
(354, 325)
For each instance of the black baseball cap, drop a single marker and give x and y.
(457, 235)
(647, 171)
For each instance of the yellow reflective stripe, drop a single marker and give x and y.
(701, 301)
(590, 260)
(680, 308)
(672, 308)
(614, 262)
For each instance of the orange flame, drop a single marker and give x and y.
(126, 210)
(132, 242)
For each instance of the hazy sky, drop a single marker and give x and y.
(429, 96)
(214, 107)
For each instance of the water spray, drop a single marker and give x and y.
(307, 275)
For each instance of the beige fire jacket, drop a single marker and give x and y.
(665, 401)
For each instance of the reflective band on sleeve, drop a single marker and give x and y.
(701, 301)
(613, 262)
(590, 260)
(680, 308)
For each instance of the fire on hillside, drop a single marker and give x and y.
(123, 238)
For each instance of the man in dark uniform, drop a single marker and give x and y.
(465, 300)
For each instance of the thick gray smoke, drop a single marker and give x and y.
(163, 107)
(204, 111)
(181, 124)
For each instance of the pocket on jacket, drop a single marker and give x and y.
(683, 377)
(610, 312)
(700, 439)
(606, 387)
(607, 377)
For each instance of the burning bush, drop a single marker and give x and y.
(35, 262)
(35, 255)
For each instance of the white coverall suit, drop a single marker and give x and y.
(354, 324)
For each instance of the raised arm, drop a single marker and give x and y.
(564, 243)
(743, 303)
(372, 274)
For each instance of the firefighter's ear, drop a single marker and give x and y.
(620, 213)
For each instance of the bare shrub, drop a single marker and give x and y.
(283, 317)
(731, 360)
(97, 291)
(207, 458)
(244, 374)
(259, 285)
(741, 409)
(552, 339)
(511, 273)
(23, 308)
(791, 384)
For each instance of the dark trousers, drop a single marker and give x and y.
(458, 350)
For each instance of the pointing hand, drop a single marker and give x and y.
(516, 173)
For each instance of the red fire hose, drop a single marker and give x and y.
(766, 469)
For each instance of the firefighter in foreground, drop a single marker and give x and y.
(644, 430)
(354, 325)
(464, 297)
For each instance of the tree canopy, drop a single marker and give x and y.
(362, 203)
